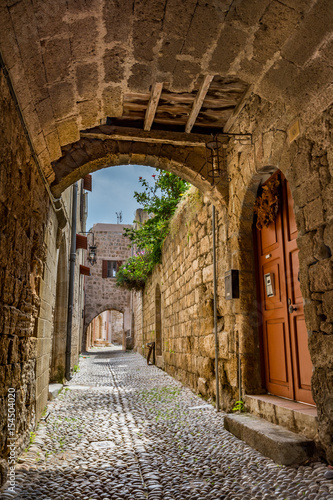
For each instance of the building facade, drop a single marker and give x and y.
(101, 292)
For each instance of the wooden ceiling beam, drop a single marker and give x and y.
(238, 109)
(117, 133)
(152, 105)
(198, 102)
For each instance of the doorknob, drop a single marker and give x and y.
(292, 309)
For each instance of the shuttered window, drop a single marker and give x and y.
(81, 241)
(110, 268)
(85, 270)
(87, 182)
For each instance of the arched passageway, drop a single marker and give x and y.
(85, 88)
(106, 329)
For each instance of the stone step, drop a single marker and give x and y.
(294, 416)
(273, 441)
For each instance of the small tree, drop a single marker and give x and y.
(160, 202)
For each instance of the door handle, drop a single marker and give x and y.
(292, 309)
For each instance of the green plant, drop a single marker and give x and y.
(160, 202)
(239, 406)
(76, 368)
(32, 437)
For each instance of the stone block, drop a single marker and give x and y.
(112, 102)
(327, 298)
(184, 76)
(202, 386)
(62, 97)
(84, 38)
(53, 145)
(321, 350)
(207, 274)
(307, 191)
(89, 112)
(313, 214)
(86, 80)
(201, 35)
(321, 276)
(57, 58)
(114, 64)
(310, 34)
(311, 317)
(273, 441)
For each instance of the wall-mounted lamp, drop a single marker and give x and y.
(81, 242)
(216, 160)
(92, 254)
(216, 155)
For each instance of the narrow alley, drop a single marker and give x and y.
(123, 430)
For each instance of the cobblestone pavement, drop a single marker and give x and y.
(122, 430)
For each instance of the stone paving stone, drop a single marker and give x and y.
(126, 431)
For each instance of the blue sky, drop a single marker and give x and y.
(112, 191)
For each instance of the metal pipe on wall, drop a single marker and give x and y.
(215, 315)
(72, 260)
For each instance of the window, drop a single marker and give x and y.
(110, 268)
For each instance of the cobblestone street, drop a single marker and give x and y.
(122, 430)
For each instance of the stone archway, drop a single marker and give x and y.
(98, 150)
(58, 357)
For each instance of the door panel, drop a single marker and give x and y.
(301, 361)
(276, 342)
(288, 366)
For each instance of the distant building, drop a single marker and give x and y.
(101, 293)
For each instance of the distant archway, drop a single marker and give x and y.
(106, 329)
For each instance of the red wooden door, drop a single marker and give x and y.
(287, 360)
(301, 361)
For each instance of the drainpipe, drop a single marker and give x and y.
(215, 316)
(71, 285)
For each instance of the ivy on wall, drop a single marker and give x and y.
(159, 202)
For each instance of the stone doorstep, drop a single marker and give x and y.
(54, 390)
(296, 417)
(273, 441)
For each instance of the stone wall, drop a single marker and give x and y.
(185, 276)
(24, 208)
(101, 293)
(30, 238)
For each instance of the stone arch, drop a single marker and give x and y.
(58, 357)
(244, 260)
(125, 311)
(88, 155)
(158, 321)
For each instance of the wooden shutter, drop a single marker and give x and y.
(119, 263)
(85, 270)
(87, 182)
(104, 269)
(81, 241)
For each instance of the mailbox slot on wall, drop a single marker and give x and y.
(269, 284)
(231, 282)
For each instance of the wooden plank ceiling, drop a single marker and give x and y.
(206, 110)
